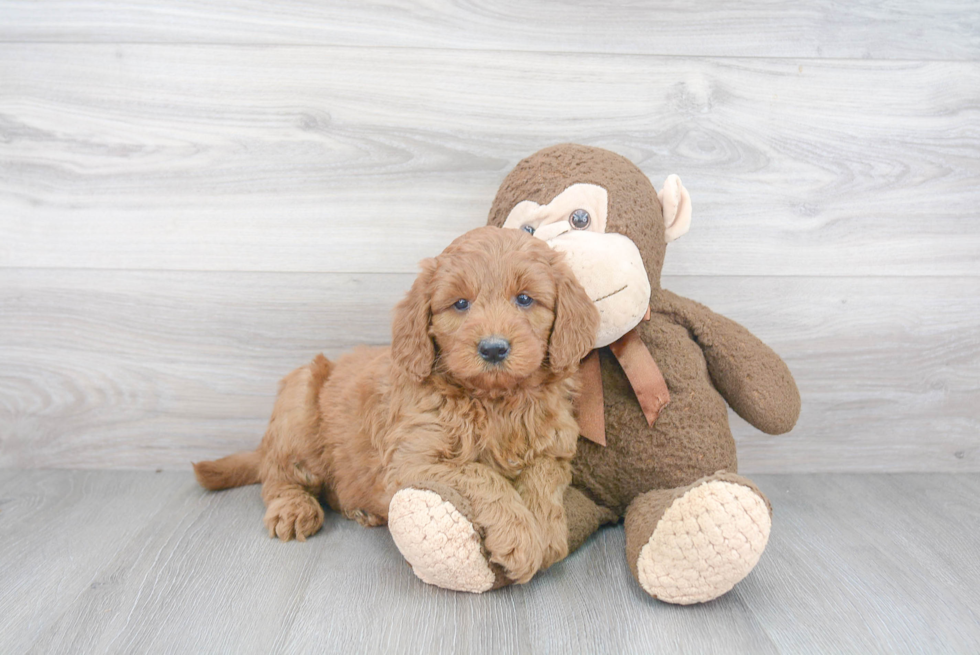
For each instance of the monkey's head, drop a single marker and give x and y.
(605, 215)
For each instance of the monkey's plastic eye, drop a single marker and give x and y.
(524, 300)
(580, 219)
(528, 228)
(462, 304)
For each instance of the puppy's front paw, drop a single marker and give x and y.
(516, 545)
(294, 516)
(555, 543)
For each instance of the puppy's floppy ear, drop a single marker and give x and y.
(576, 320)
(412, 348)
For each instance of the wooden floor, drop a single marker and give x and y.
(137, 562)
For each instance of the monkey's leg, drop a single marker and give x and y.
(432, 527)
(584, 518)
(693, 544)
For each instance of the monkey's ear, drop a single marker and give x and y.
(412, 349)
(676, 203)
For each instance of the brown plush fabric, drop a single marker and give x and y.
(706, 359)
(584, 517)
(642, 519)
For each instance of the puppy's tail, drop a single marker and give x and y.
(241, 469)
(232, 471)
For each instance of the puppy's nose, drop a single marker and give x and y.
(494, 349)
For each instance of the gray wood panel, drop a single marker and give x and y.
(875, 559)
(154, 369)
(145, 562)
(195, 197)
(862, 29)
(345, 159)
(60, 529)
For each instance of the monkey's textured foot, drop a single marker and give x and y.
(439, 542)
(705, 542)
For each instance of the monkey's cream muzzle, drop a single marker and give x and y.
(610, 269)
(607, 264)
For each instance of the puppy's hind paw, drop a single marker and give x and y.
(294, 516)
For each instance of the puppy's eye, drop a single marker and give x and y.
(462, 304)
(524, 300)
(580, 219)
(528, 228)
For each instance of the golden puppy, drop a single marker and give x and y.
(475, 393)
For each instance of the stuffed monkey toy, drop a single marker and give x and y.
(656, 449)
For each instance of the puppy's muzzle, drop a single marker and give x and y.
(493, 350)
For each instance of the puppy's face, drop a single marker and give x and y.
(492, 313)
(495, 310)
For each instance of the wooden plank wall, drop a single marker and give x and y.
(197, 196)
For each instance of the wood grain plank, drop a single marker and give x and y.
(856, 563)
(560, 612)
(166, 354)
(887, 554)
(154, 369)
(366, 160)
(862, 29)
(57, 530)
(203, 577)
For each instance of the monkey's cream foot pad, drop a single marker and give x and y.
(438, 541)
(705, 543)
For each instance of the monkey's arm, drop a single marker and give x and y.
(751, 377)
